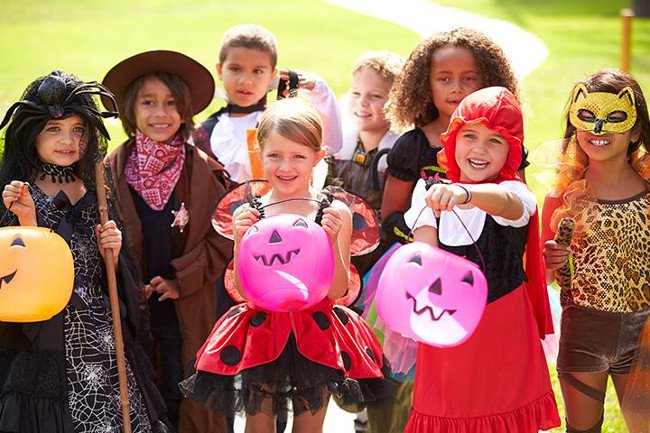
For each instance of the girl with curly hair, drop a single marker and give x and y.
(603, 184)
(439, 73)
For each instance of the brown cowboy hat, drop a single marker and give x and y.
(198, 79)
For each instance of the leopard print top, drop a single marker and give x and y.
(612, 259)
(563, 236)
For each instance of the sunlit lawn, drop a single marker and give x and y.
(88, 37)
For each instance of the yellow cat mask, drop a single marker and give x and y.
(601, 112)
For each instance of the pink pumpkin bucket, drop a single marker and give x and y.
(431, 295)
(285, 263)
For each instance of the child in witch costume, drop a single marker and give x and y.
(497, 380)
(248, 57)
(60, 375)
(301, 356)
(166, 191)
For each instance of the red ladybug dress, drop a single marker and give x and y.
(253, 354)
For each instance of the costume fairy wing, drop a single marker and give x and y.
(229, 283)
(244, 193)
(541, 172)
(365, 224)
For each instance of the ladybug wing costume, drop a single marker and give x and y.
(253, 354)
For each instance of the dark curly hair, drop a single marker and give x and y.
(58, 95)
(410, 102)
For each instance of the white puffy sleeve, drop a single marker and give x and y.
(523, 193)
(419, 214)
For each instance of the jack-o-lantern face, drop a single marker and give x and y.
(36, 274)
(285, 263)
(431, 295)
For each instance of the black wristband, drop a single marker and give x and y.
(467, 193)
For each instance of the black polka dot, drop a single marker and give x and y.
(235, 312)
(370, 354)
(321, 320)
(258, 318)
(230, 355)
(347, 361)
(358, 222)
(342, 315)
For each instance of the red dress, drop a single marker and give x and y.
(496, 381)
(458, 389)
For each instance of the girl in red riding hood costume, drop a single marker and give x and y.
(497, 380)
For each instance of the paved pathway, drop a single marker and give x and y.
(525, 50)
(336, 421)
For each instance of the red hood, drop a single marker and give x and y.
(496, 108)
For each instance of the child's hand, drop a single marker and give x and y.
(168, 289)
(16, 194)
(443, 196)
(332, 222)
(555, 255)
(306, 80)
(109, 237)
(243, 218)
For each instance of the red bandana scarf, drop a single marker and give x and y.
(153, 169)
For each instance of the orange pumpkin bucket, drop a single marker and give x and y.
(36, 274)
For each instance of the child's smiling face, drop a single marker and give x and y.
(368, 95)
(61, 141)
(606, 147)
(288, 165)
(480, 153)
(156, 112)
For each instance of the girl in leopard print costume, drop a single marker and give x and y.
(602, 184)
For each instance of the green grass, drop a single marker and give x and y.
(87, 38)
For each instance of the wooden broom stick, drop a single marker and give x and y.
(115, 306)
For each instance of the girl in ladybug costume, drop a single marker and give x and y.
(257, 360)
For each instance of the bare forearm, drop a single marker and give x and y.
(397, 194)
(495, 200)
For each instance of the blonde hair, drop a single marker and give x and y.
(294, 119)
(386, 64)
